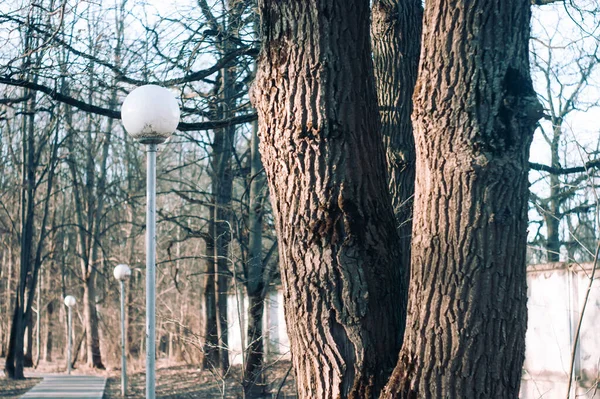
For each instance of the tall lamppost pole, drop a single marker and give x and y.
(150, 115)
(122, 273)
(70, 301)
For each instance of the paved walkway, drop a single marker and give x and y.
(67, 387)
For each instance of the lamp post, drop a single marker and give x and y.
(150, 115)
(70, 301)
(122, 273)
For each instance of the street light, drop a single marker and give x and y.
(150, 115)
(122, 273)
(70, 301)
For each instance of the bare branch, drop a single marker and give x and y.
(545, 2)
(83, 106)
(595, 163)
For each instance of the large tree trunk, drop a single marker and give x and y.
(475, 113)
(77, 346)
(222, 173)
(8, 300)
(325, 164)
(84, 212)
(28, 355)
(3, 313)
(15, 358)
(552, 215)
(222, 184)
(210, 355)
(94, 358)
(396, 35)
(49, 316)
(253, 383)
(13, 367)
(222, 180)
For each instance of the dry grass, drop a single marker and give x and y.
(184, 382)
(13, 389)
(172, 381)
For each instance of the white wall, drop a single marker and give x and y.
(275, 336)
(556, 293)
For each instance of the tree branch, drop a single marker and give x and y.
(595, 163)
(120, 75)
(545, 2)
(7, 101)
(90, 108)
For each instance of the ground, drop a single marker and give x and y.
(14, 389)
(183, 382)
(173, 382)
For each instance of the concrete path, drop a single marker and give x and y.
(68, 387)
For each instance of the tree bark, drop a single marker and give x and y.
(325, 164)
(257, 283)
(84, 199)
(15, 358)
(222, 179)
(3, 314)
(8, 299)
(28, 355)
(475, 113)
(210, 357)
(49, 328)
(94, 358)
(254, 382)
(12, 368)
(77, 345)
(552, 215)
(396, 35)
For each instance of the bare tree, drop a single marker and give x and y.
(315, 97)
(37, 175)
(566, 66)
(475, 113)
(396, 35)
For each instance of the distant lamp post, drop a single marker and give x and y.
(150, 115)
(122, 273)
(70, 301)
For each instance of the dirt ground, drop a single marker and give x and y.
(13, 389)
(172, 382)
(184, 382)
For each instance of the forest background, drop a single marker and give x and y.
(72, 183)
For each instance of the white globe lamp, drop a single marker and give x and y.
(150, 114)
(122, 272)
(70, 301)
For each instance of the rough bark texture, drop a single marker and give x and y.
(94, 358)
(396, 36)
(324, 159)
(88, 269)
(222, 181)
(15, 358)
(475, 112)
(49, 317)
(257, 281)
(8, 299)
(254, 382)
(28, 355)
(552, 216)
(210, 352)
(86, 201)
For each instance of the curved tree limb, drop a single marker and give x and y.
(94, 109)
(595, 163)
